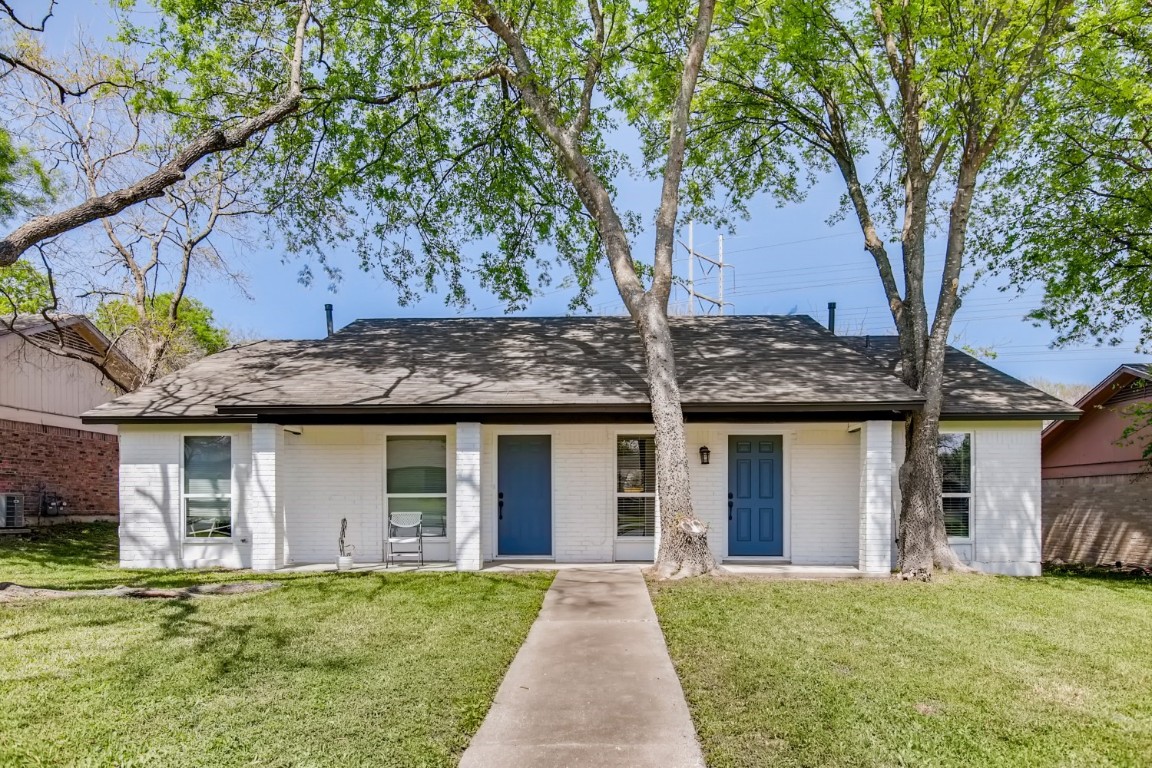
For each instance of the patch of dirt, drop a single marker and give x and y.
(10, 593)
(928, 708)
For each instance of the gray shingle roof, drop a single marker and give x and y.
(750, 363)
(33, 321)
(972, 387)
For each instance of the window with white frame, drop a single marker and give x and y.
(955, 451)
(417, 472)
(207, 492)
(635, 485)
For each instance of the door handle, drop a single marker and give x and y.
(500, 506)
(729, 505)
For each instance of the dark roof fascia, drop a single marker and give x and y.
(1054, 416)
(546, 418)
(239, 418)
(644, 408)
(1105, 385)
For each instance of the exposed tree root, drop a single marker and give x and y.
(944, 560)
(10, 592)
(684, 551)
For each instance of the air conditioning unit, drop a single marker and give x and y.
(11, 510)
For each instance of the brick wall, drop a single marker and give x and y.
(1098, 520)
(81, 466)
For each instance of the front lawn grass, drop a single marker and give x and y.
(329, 669)
(972, 670)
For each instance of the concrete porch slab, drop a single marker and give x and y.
(740, 568)
(789, 571)
(493, 566)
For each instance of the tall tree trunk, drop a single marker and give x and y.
(923, 540)
(683, 549)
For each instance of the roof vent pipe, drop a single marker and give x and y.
(832, 316)
(328, 314)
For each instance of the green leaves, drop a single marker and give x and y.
(1075, 210)
(24, 184)
(24, 289)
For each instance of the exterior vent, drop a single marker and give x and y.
(1137, 390)
(68, 338)
(11, 510)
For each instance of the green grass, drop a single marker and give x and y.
(972, 670)
(330, 669)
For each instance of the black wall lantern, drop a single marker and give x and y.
(705, 454)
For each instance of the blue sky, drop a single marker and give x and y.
(785, 260)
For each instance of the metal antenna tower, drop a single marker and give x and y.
(709, 266)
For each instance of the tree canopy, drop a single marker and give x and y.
(1074, 210)
(23, 289)
(910, 104)
(24, 184)
(156, 343)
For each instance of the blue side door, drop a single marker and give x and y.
(755, 493)
(524, 494)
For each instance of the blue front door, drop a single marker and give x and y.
(755, 514)
(524, 494)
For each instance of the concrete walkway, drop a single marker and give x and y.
(591, 686)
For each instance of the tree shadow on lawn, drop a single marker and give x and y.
(71, 545)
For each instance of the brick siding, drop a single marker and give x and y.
(81, 466)
(1098, 520)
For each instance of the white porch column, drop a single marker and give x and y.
(876, 497)
(468, 555)
(262, 502)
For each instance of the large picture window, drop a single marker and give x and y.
(955, 451)
(635, 485)
(418, 480)
(208, 487)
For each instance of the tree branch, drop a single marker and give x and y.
(64, 91)
(171, 172)
(7, 8)
(677, 141)
(591, 71)
(493, 70)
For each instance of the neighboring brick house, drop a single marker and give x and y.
(1097, 487)
(45, 450)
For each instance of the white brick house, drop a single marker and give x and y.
(528, 439)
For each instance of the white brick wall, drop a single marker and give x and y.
(467, 516)
(583, 477)
(875, 491)
(337, 472)
(1006, 526)
(150, 535)
(151, 516)
(265, 527)
(1006, 496)
(825, 474)
(326, 473)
